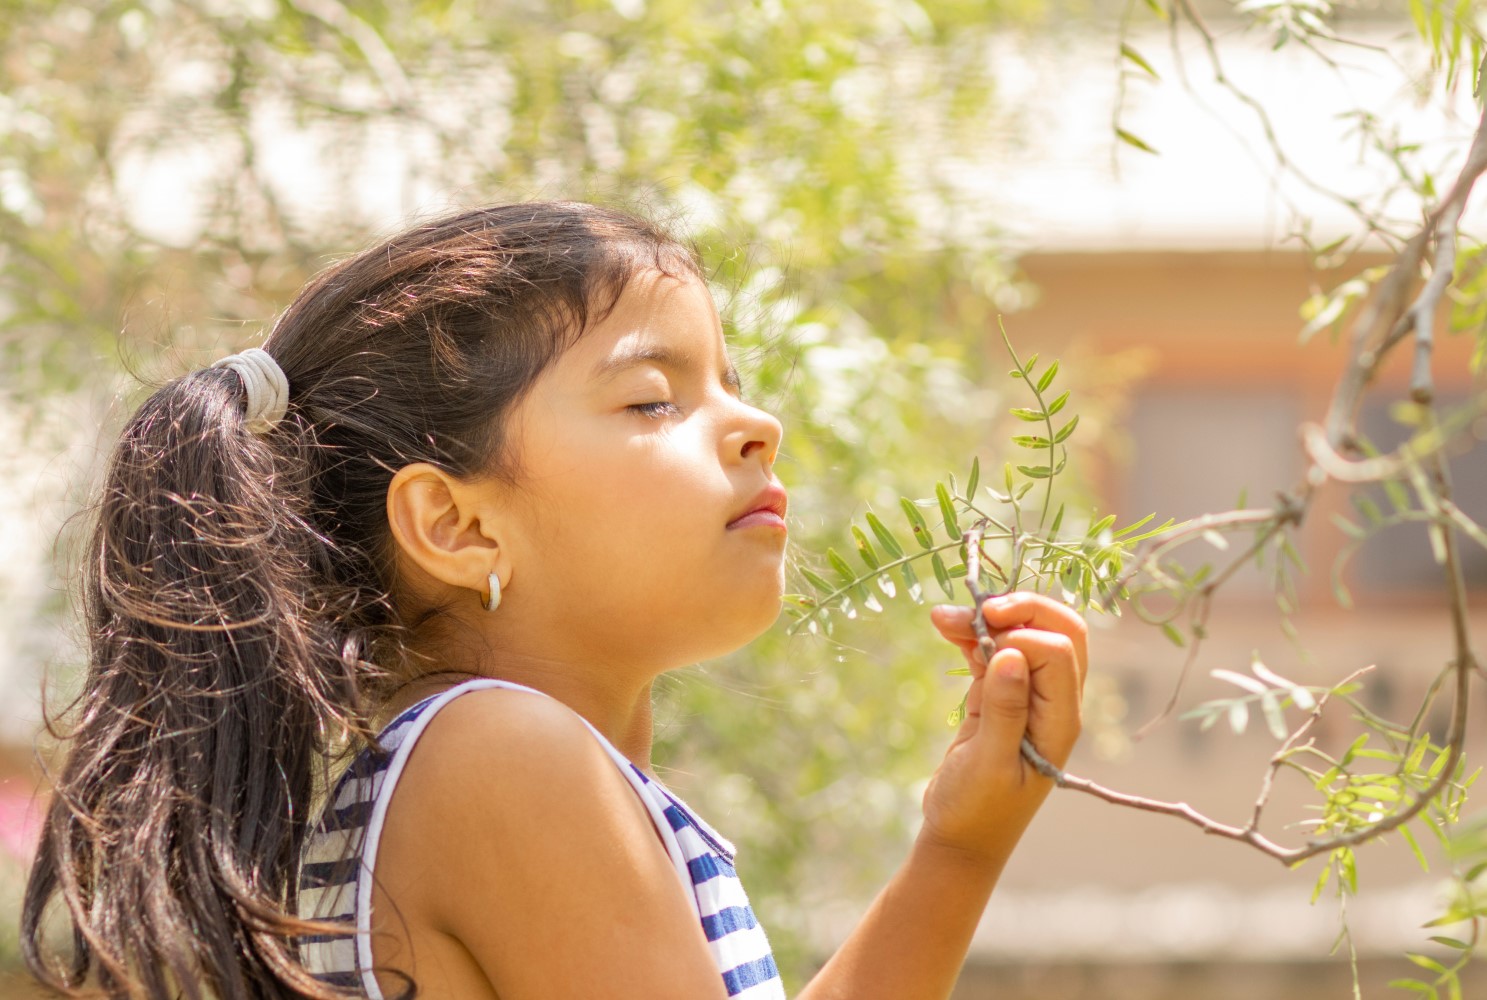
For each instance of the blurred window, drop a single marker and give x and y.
(1398, 557)
(1195, 447)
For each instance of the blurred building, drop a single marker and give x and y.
(1182, 260)
(1101, 901)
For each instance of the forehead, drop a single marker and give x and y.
(659, 320)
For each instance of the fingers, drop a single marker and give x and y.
(1004, 707)
(1053, 659)
(1019, 609)
(1053, 719)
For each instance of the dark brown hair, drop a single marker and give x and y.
(239, 595)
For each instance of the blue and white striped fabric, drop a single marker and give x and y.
(342, 847)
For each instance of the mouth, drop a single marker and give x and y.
(766, 509)
(759, 518)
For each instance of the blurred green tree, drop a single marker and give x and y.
(171, 171)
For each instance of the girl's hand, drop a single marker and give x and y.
(984, 793)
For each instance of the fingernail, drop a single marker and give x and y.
(1010, 668)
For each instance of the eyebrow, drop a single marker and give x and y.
(659, 354)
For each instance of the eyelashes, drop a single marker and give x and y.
(661, 408)
(654, 410)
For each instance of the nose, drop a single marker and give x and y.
(755, 431)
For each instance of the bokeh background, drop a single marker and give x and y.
(873, 183)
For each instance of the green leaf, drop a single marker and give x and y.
(1132, 527)
(917, 522)
(943, 575)
(1425, 961)
(1438, 764)
(1412, 762)
(1023, 413)
(1048, 375)
(1131, 140)
(1171, 632)
(1099, 526)
(1066, 430)
(1374, 793)
(957, 714)
(1451, 942)
(947, 512)
(1135, 57)
(1058, 404)
(1031, 441)
(817, 582)
(1321, 882)
(911, 581)
(1409, 838)
(885, 537)
(1057, 520)
(843, 569)
(975, 477)
(1154, 531)
(1348, 864)
(1037, 472)
(865, 548)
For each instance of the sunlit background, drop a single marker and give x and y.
(873, 183)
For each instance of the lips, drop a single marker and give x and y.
(772, 498)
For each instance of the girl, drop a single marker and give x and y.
(483, 483)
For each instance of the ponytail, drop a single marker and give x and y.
(211, 699)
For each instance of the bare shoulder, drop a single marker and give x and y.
(501, 725)
(530, 848)
(491, 756)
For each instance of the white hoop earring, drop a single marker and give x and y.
(492, 596)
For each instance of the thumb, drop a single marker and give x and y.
(1004, 705)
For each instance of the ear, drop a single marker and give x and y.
(439, 528)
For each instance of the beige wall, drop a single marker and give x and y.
(1226, 382)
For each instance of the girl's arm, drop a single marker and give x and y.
(913, 940)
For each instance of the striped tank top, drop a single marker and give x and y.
(341, 851)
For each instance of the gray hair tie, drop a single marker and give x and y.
(265, 384)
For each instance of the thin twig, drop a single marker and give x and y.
(1289, 746)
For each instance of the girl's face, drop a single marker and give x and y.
(637, 451)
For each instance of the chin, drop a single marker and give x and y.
(745, 627)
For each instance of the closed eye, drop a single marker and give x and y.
(654, 410)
